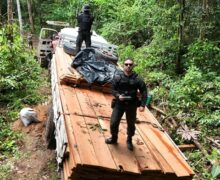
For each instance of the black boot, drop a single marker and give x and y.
(129, 143)
(111, 140)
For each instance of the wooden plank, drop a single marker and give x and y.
(166, 148)
(124, 158)
(67, 74)
(185, 147)
(65, 170)
(65, 71)
(103, 154)
(69, 129)
(165, 167)
(154, 136)
(82, 138)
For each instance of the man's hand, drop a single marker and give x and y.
(141, 109)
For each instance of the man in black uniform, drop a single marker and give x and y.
(85, 21)
(125, 87)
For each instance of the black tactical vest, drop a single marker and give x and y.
(128, 85)
(85, 22)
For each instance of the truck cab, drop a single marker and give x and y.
(44, 50)
(67, 40)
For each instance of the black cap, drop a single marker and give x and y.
(86, 7)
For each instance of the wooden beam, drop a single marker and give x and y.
(185, 147)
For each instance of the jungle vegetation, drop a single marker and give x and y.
(176, 48)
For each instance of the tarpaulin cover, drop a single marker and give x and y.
(93, 69)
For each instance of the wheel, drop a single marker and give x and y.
(48, 60)
(50, 130)
(49, 68)
(43, 62)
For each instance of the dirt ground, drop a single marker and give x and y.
(36, 162)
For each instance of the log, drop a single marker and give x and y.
(158, 110)
(213, 141)
(185, 147)
(172, 124)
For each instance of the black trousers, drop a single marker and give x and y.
(83, 36)
(130, 110)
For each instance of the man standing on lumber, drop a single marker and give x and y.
(125, 89)
(85, 21)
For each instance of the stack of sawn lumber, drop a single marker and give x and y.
(69, 75)
(87, 114)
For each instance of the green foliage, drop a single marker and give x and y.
(214, 158)
(198, 161)
(211, 119)
(126, 52)
(20, 79)
(56, 11)
(148, 32)
(123, 21)
(204, 55)
(208, 165)
(19, 72)
(198, 95)
(4, 170)
(7, 138)
(215, 171)
(187, 91)
(52, 168)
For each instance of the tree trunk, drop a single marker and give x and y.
(181, 28)
(10, 11)
(205, 15)
(10, 20)
(20, 18)
(38, 11)
(29, 5)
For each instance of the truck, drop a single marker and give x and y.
(67, 37)
(78, 124)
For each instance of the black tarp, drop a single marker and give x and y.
(92, 68)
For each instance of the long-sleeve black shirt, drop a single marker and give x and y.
(85, 21)
(129, 86)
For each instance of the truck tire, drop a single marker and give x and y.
(43, 62)
(69, 48)
(50, 130)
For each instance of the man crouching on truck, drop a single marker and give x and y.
(125, 87)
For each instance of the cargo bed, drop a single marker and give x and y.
(82, 119)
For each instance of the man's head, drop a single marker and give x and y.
(86, 8)
(128, 66)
